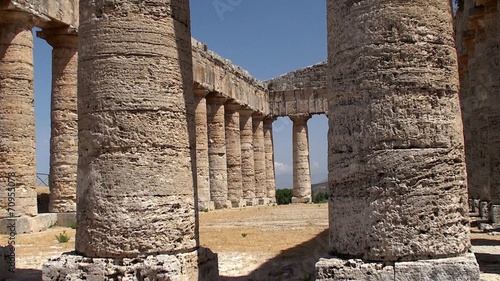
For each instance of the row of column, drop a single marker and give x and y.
(234, 149)
(17, 118)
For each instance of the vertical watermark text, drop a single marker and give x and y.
(9, 252)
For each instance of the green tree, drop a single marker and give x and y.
(284, 196)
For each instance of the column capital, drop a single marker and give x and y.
(232, 105)
(60, 37)
(17, 17)
(258, 116)
(201, 92)
(299, 118)
(216, 98)
(269, 119)
(246, 111)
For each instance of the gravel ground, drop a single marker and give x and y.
(258, 243)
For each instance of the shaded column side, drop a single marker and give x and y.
(64, 117)
(217, 151)
(202, 163)
(233, 150)
(17, 115)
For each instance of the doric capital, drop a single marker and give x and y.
(258, 116)
(246, 111)
(232, 105)
(216, 98)
(61, 37)
(17, 18)
(299, 118)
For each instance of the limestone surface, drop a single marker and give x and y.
(217, 151)
(301, 167)
(64, 118)
(247, 154)
(233, 152)
(136, 130)
(397, 176)
(259, 155)
(269, 150)
(17, 115)
(202, 170)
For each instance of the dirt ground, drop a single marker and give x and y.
(258, 243)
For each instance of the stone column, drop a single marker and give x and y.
(202, 170)
(217, 151)
(269, 150)
(17, 115)
(259, 156)
(301, 167)
(136, 211)
(233, 150)
(247, 157)
(64, 127)
(397, 181)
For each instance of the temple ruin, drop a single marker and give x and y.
(159, 127)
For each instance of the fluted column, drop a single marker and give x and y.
(259, 155)
(233, 151)
(247, 156)
(17, 115)
(397, 180)
(301, 167)
(217, 151)
(136, 132)
(64, 127)
(269, 150)
(202, 163)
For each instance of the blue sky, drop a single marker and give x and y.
(267, 38)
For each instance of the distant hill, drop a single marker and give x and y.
(319, 187)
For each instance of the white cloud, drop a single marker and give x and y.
(282, 168)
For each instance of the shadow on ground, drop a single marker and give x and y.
(295, 263)
(26, 275)
(488, 263)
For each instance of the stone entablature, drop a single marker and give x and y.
(298, 101)
(48, 13)
(215, 73)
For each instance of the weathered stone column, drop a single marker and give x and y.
(64, 127)
(136, 211)
(217, 151)
(233, 150)
(301, 167)
(17, 115)
(269, 150)
(259, 155)
(202, 170)
(247, 157)
(397, 181)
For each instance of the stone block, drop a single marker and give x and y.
(206, 205)
(252, 202)
(66, 219)
(264, 201)
(239, 203)
(38, 223)
(196, 265)
(475, 206)
(462, 268)
(495, 214)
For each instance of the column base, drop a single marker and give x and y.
(239, 203)
(495, 214)
(264, 201)
(196, 265)
(462, 268)
(299, 200)
(206, 206)
(223, 204)
(252, 202)
(475, 206)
